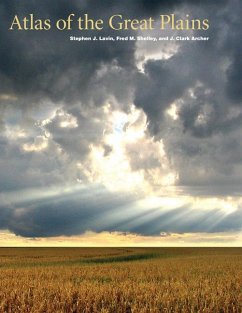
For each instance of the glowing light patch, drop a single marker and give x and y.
(15, 132)
(163, 202)
(228, 204)
(172, 111)
(40, 143)
(68, 121)
(8, 97)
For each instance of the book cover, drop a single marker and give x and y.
(120, 127)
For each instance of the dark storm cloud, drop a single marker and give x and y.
(96, 209)
(203, 79)
(160, 85)
(215, 65)
(21, 169)
(67, 214)
(75, 141)
(234, 85)
(45, 64)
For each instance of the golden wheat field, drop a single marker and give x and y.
(120, 280)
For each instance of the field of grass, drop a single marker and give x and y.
(120, 280)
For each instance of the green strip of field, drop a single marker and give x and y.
(122, 258)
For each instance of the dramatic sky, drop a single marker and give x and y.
(121, 143)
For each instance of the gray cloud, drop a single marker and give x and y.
(204, 81)
(214, 64)
(96, 209)
(46, 65)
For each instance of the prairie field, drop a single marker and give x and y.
(123, 280)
